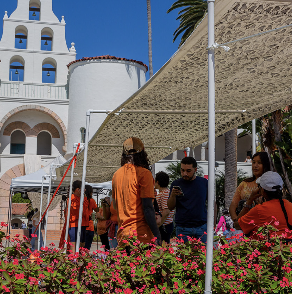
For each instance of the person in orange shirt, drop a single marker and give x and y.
(101, 229)
(111, 215)
(133, 195)
(74, 216)
(274, 211)
(92, 206)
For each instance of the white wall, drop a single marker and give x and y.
(99, 84)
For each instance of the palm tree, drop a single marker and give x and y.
(189, 17)
(230, 165)
(149, 38)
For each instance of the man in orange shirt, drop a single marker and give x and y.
(74, 216)
(133, 195)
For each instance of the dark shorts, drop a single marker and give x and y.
(73, 234)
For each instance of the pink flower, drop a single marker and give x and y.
(15, 261)
(276, 223)
(72, 282)
(34, 235)
(5, 288)
(251, 222)
(19, 276)
(52, 244)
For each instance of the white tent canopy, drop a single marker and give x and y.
(33, 182)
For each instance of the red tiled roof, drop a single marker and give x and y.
(107, 57)
(19, 208)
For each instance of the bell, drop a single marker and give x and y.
(46, 43)
(16, 72)
(34, 14)
(20, 41)
(48, 74)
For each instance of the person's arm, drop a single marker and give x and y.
(248, 205)
(165, 213)
(99, 216)
(171, 202)
(149, 214)
(234, 203)
(106, 210)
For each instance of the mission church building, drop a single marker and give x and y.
(45, 93)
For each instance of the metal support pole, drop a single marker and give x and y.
(253, 136)
(48, 202)
(41, 206)
(83, 179)
(8, 231)
(70, 196)
(211, 145)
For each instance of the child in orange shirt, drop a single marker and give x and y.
(74, 216)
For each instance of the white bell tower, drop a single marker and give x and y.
(33, 46)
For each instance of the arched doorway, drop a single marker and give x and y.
(44, 143)
(17, 142)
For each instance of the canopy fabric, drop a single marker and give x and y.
(254, 75)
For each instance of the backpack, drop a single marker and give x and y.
(229, 222)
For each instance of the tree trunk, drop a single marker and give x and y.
(268, 140)
(149, 38)
(230, 165)
(277, 119)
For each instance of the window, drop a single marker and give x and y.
(21, 37)
(83, 133)
(49, 70)
(17, 142)
(47, 39)
(16, 69)
(34, 10)
(44, 143)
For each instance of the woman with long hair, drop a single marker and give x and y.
(274, 211)
(260, 165)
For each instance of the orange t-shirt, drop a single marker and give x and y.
(130, 184)
(114, 213)
(262, 213)
(74, 212)
(92, 206)
(101, 224)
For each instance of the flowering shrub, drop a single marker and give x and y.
(241, 265)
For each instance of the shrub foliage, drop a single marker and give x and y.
(241, 265)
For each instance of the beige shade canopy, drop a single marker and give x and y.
(254, 75)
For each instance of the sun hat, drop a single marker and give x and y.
(133, 145)
(270, 181)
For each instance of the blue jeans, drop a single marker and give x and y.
(198, 233)
(88, 239)
(32, 242)
(114, 242)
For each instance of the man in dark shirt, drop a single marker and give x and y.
(188, 195)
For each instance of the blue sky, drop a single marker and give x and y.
(114, 27)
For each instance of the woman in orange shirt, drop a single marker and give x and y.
(111, 215)
(275, 211)
(92, 206)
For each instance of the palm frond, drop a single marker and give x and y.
(189, 17)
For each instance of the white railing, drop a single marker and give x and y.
(36, 91)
